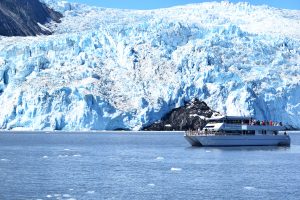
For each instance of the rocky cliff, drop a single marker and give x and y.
(25, 17)
(190, 116)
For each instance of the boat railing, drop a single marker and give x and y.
(201, 132)
(211, 133)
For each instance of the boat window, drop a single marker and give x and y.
(233, 121)
(209, 126)
(237, 121)
(215, 121)
(233, 132)
(246, 121)
(250, 132)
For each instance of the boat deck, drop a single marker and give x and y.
(217, 133)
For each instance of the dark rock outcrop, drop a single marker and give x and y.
(190, 116)
(21, 17)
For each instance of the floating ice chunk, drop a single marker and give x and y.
(71, 199)
(151, 184)
(49, 196)
(71, 189)
(4, 160)
(249, 188)
(45, 157)
(67, 149)
(62, 156)
(207, 151)
(176, 169)
(160, 158)
(77, 155)
(57, 195)
(90, 192)
(66, 195)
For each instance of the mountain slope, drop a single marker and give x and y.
(25, 17)
(124, 69)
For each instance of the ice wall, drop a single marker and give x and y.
(110, 69)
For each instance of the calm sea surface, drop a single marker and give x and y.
(142, 166)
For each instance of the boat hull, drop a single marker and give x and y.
(238, 140)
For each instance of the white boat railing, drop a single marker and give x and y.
(212, 133)
(198, 133)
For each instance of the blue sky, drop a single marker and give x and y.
(152, 4)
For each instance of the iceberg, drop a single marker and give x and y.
(109, 69)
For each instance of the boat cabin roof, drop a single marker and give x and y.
(229, 118)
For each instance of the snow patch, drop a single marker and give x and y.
(44, 28)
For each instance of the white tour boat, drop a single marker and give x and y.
(239, 131)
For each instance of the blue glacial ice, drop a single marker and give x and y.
(107, 69)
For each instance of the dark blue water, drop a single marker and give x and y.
(146, 166)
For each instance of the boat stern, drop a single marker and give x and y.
(286, 141)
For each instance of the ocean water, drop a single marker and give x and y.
(142, 166)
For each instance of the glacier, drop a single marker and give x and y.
(108, 69)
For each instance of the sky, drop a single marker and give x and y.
(153, 4)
